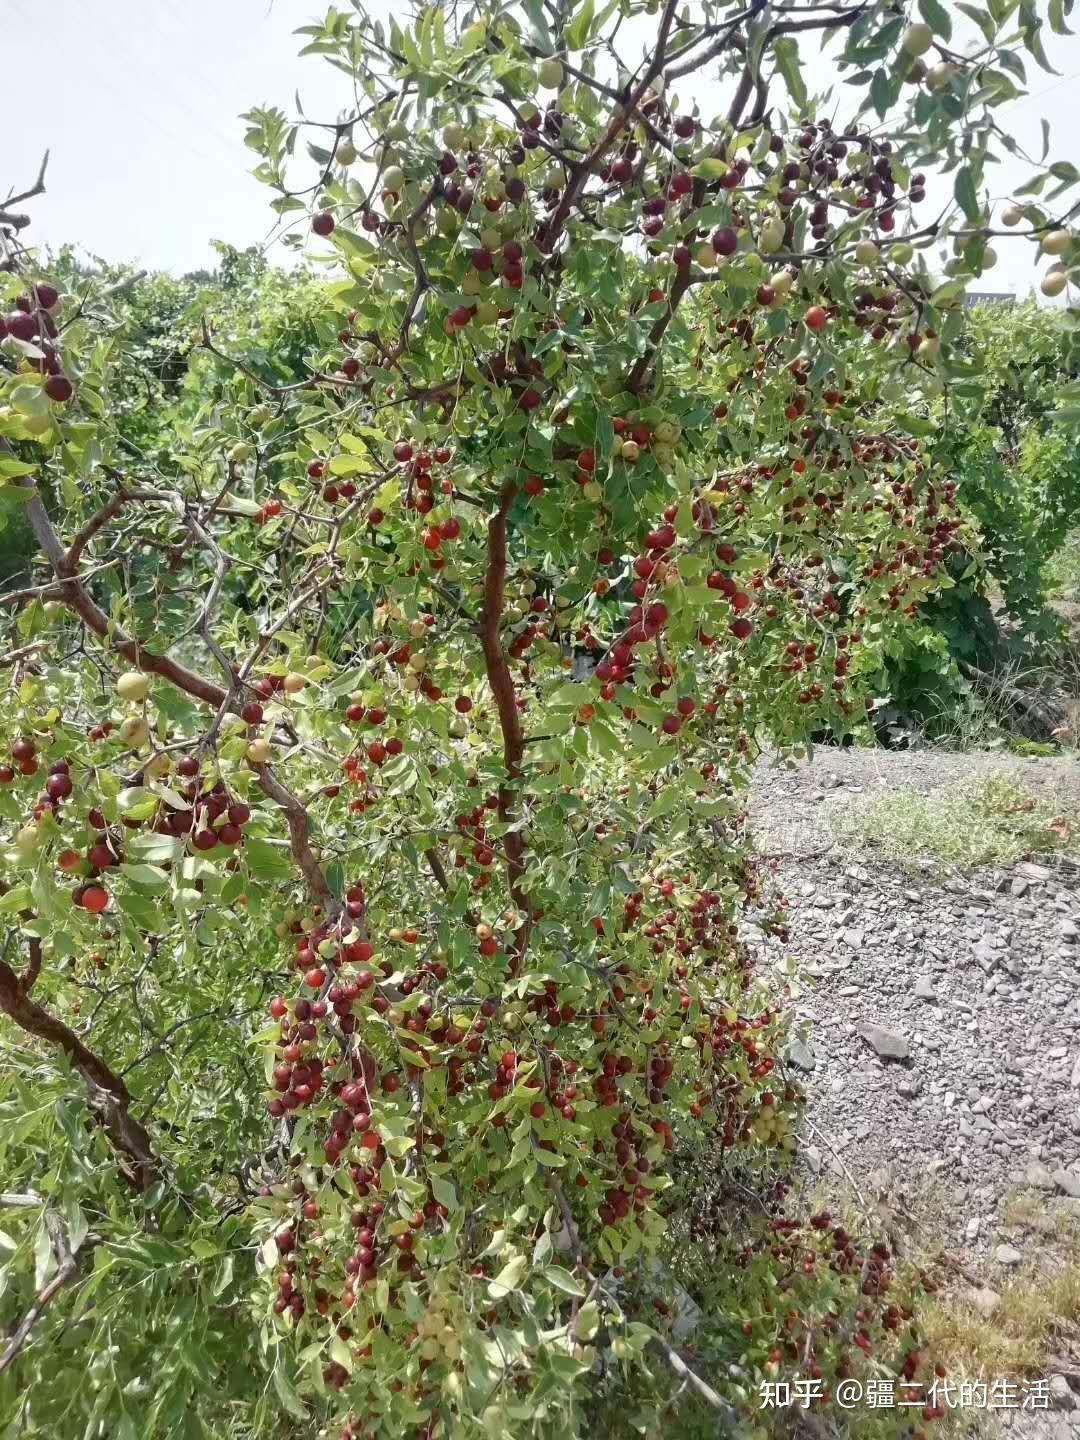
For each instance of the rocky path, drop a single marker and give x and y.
(942, 1015)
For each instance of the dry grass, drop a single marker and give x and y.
(1038, 1317)
(989, 820)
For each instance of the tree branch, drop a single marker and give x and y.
(109, 1095)
(37, 1309)
(502, 689)
(19, 221)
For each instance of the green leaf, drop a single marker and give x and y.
(287, 1395)
(508, 1278)
(787, 62)
(937, 17)
(156, 848)
(981, 18)
(711, 168)
(16, 899)
(562, 1280)
(915, 424)
(881, 92)
(964, 191)
(12, 469)
(150, 877)
(444, 1192)
(588, 1321)
(266, 861)
(577, 32)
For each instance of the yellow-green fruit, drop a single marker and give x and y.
(664, 455)
(453, 137)
(1056, 242)
(487, 313)
(867, 253)
(490, 238)
(550, 74)
(1054, 282)
(1012, 215)
(159, 766)
(593, 492)
(917, 39)
(346, 152)
(418, 662)
(929, 349)
(771, 236)
(705, 256)
(902, 254)
(781, 282)
(259, 752)
(134, 731)
(36, 424)
(241, 452)
(393, 178)
(447, 221)
(261, 415)
(294, 682)
(133, 685)
(27, 840)
(938, 76)
(668, 432)
(989, 258)
(629, 451)
(528, 111)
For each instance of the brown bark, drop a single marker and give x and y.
(502, 688)
(109, 1096)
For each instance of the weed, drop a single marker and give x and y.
(989, 820)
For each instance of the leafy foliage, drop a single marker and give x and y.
(394, 660)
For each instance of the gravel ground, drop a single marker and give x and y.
(941, 1046)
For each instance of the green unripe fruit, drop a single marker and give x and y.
(917, 39)
(1053, 283)
(771, 236)
(867, 253)
(550, 74)
(241, 452)
(346, 152)
(1011, 215)
(393, 178)
(27, 840)
(133, 685)
(1056, 242)
(134, 731)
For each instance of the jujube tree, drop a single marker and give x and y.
(409, 701)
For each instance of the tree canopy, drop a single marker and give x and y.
(383, 1050)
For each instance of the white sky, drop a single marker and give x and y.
(139, 103)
